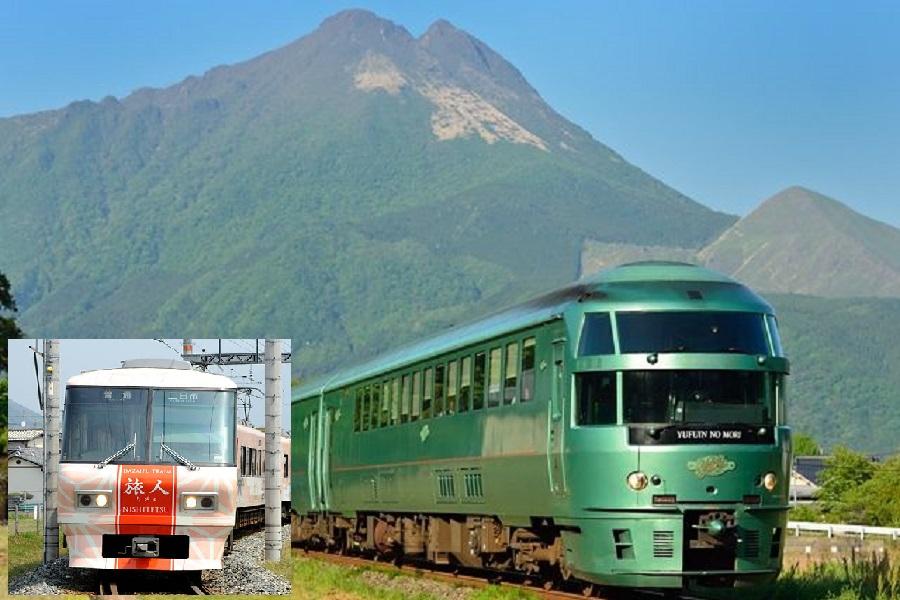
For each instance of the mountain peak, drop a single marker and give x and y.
(357, 20)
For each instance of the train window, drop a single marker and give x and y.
(774, 335)
(465, 383)
(364, 418)
(426, 399)
(439, 390)
(596, 393)
(395, 401)
(696, 331)
(596, 335)
(380, 415)
(478, 381)
(495, 376)
(404, 399)
(286, 470)
(252, 462)
(416, 396)
(510, 380)
(357, 412)
(701, 396)
(528, 354)
(452, 373)
(374, 404)
(244, 460)
(386, 404)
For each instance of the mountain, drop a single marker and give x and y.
(327, 190)
(19, 414)
(361, 187)
(797, 242)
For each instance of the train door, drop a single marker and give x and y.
(312, 457)
(325, 458)
(555, 416)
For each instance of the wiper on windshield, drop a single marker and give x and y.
(178, 457)
(123, 451)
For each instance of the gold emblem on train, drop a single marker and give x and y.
(710, 466)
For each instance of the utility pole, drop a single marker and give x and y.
(51, 449)
(273, 449)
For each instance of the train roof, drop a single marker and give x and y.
(658, 274)
(170, 376)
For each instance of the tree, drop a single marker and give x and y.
(805, 445)
(8, 328)
(845, 471)
(876, 501)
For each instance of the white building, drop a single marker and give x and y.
(26, 475)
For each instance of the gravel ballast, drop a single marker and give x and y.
(243, 573)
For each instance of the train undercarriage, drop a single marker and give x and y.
(480, 542)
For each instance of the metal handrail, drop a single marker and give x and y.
(832, 529)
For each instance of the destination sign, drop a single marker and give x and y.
(699, 434)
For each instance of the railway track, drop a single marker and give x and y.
(544, 589)
(110, 585)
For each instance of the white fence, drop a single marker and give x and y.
(833, 529)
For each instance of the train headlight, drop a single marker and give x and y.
(200, 501)
(769, 481)
(92, 499)
(636, 480)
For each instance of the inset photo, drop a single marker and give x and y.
(149, 466)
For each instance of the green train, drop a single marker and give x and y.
(627, 430)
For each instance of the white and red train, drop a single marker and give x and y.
(156, 473)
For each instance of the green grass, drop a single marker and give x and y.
(26, 548)
(868, 579)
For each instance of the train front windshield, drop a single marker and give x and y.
(198, 425)
(156, 426)
(698, 396)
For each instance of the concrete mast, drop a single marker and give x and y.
(274, 459)
(51, 449)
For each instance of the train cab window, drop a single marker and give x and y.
(596, 335)
(404, 399)
(774, 335)
(426, 398)
(286, 469)
(596, 393)
(495, 377)
(528, 352)
(385, 403)
(510, 379)
(439, 371)
(416, 396)
(478, 381)
(465, 383)
(452, 382)
(395, 401)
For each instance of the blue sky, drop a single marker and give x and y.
(727, 102)
(76, 356)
